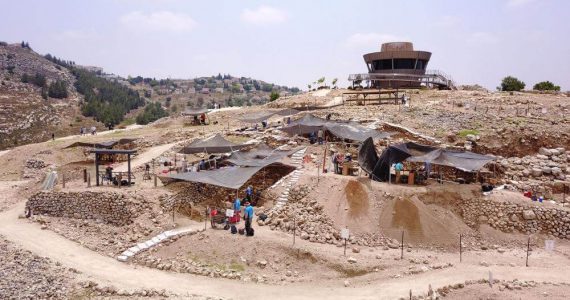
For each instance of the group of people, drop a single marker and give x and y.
(317, 137)
(248, 212)
(338, 159)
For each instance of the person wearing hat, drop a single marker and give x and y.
(248, 216)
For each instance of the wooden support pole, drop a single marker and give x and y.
(63, 179)
(460, 248)
(88, 179)
(527, 250)
(402, 254)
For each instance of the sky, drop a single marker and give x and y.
(294, 43)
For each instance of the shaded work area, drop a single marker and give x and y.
(379, 167)
(126, 142)
(213, 144)
(244, 165)
(103, 156)
(199, 116)
(310, 124)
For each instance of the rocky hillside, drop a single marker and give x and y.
(224, 90)
(28, 114)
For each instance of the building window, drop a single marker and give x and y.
(404, 63)
(382, 64)
(421, 65)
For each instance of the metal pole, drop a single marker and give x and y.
(344, 247)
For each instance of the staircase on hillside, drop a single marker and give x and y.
(291, 179)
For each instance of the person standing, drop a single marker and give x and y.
(248, 216)
(237, 206)
(249, 193)
(335, 162)
(399, 167)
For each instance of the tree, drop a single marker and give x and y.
(334, 82)
(200, 101)
(321, 81)
(39, 80)
(58, 89)
(174, 108)
(25, 78)
(510, 84)
(151, 113)
(309, 86)
(546, 86)
(273, 96)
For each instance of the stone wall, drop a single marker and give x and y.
(112, 208)
(510, 217)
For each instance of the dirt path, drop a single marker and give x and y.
(130, 127)
(4, 152)
(108, 271)
(144, 157)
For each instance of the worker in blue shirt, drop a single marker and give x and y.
(249, 193)
(237, 205)
(399, 167)
(248, 216)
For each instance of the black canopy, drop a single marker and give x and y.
(213, 144)
(105, 144)
(379, 167)
(345, 130)
(195, 111)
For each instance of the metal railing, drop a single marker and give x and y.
(431, 77)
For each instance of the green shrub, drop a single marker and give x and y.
(273, 96)
(511, 83)
(546, 86)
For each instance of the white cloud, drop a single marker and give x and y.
(517, 3)
(158, 21)
(482, 38)
(371, 40)
(263, 15)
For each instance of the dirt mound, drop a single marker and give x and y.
(421, 224)
(357, 198)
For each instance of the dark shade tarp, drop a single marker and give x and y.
(344, 130)
(105, 144)
(195, 111)
(229, 177)
(379, 167)
(262, 156)
(214, 144)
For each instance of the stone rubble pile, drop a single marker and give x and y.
(311, 222)
(35, 164)
(533, 172)
(108, 207)
(25, 275)
(509, 217)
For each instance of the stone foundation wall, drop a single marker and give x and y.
(112, 208)
(510, 217)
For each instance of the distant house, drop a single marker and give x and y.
(220, 90)
(205, 90)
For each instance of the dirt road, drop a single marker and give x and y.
(108, 271)
(145, 157)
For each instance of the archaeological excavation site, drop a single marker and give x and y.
(394, 180)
